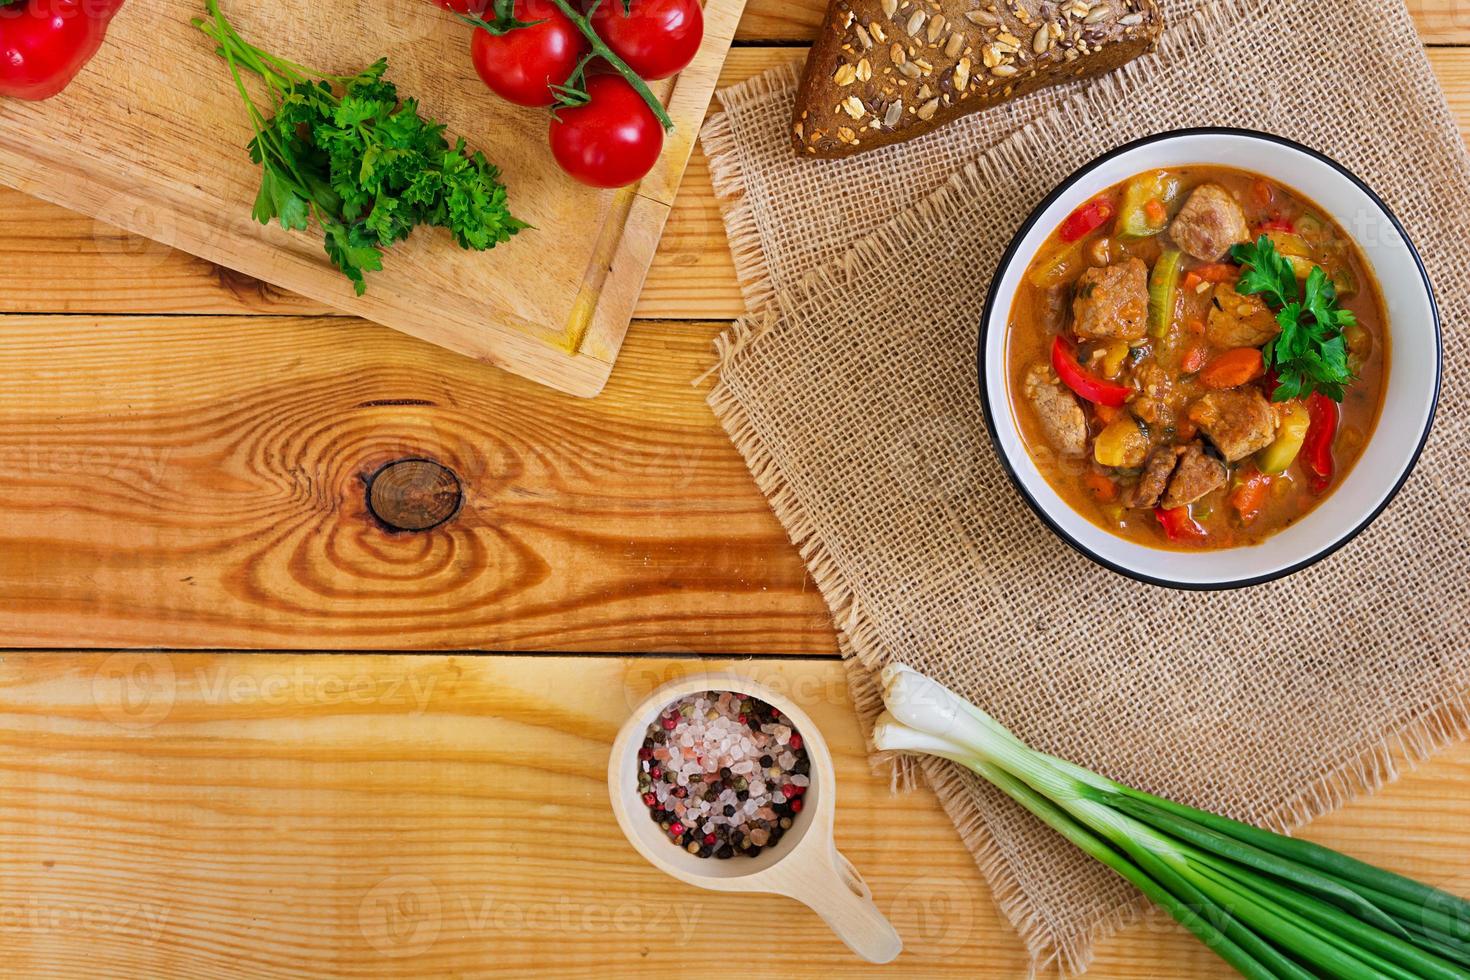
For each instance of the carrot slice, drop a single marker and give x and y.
(1233, 368)
(1250, 496)
(1218, 272)
(1194, 359)
(1102, 488)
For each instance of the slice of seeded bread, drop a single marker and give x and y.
(882, 71)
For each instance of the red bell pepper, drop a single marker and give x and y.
(1086, 385)
(1316, 452)
(1086, 220)
(45, 43)
(1179, 526)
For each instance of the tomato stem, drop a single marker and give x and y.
(600, 48)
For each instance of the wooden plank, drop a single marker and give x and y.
(528, 306)
(189, 815)
(54, 261)
(1439, 21)
(1442, 21)
(198, 481)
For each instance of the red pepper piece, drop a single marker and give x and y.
(1316, 452)
(1086, 220)
(1179, 526)
(45, 43)
(1270, 382)
(1278, 224)
(1086, 385)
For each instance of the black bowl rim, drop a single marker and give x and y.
(1009, 256)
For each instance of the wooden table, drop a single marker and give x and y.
(182, 464)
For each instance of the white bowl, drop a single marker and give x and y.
(1412, 382)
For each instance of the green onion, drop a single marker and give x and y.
(1269, 905)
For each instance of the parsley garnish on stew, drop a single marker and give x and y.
(1310, 353)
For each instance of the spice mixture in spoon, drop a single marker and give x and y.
(723, 774)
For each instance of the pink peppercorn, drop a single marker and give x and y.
(788, 791)
(676, 828)
(669, 724)
(709, 839)
(795, 743)
(649, 800)
(656, 772)
(796, 806)
(645, 753)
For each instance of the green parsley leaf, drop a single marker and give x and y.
(1267, 273)
(1310, 353)
(365, 164)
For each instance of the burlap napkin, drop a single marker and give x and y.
(852, 394)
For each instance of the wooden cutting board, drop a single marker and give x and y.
(151, 137)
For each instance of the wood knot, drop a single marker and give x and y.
(414, 495)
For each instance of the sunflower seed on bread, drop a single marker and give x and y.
(948, 58)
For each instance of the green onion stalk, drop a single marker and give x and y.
(1271, 906)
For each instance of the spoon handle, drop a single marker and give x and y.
(835, 891)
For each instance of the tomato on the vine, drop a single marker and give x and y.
(612, 141)
(657, 38)
(523, 65)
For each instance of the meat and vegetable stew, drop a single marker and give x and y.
(1197, 357)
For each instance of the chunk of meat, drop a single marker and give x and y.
(1209, 223)
(1237, 320)
(1197, 474)
(1061, 417)
(1112, 302)
(1238, 421)
(1155, 479)
(1161, 396)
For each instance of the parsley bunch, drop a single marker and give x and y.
(1310, 353)
(364, 163)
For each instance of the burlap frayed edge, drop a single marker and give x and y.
(727, 175)
(1423, 735)
(860, 644)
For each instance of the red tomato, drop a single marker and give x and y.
(612, 141)
(657, 38)
(45, 43)
(521, 65)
